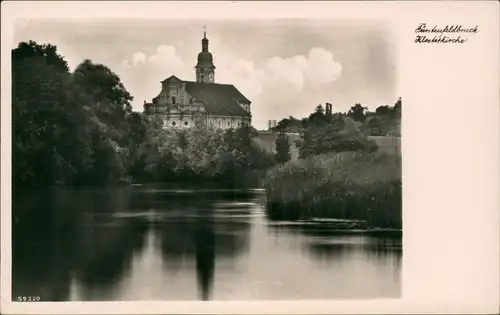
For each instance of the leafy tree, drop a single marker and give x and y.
(201, 154)
(282, 149)
(357, 112)
(138, 136)
(48, 125)
(46, 53)
(69, 128)
(108, 107)
(384, 121)
(108, 98)
(289, 124)
(342, 134)
(384, 110)
(158, 152)
(396, 111)
(318, 118)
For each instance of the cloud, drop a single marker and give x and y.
(317, 67)
(165, 59)
(138, 58)
(322, 68)
(142, 72)
(242, 73)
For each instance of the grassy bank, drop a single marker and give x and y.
(348, 185)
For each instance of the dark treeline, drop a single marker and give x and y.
(78, 129)
(324, 131)
(341, 173)
(385, 120)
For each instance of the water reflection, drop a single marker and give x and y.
(324, 242)
(107, 229)
(353, 261)
(205, 255)
(157, 243)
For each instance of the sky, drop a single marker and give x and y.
(285, 67)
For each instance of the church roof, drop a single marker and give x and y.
(219, 99)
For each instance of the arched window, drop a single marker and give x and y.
(185, 123)
(173, 123)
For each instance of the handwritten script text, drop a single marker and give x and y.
(449, 34)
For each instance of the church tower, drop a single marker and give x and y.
(205, 69)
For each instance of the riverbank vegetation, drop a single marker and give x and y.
(344, 185)
(341, 173)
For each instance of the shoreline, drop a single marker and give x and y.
(334, 226)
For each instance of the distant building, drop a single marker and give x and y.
(183, 104)
(272, 124)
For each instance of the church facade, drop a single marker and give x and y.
(184, 104)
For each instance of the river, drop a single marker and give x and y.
(164, 243)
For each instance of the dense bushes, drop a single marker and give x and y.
(348, 185)
(340, 135)
(282, 149)
(199, 153)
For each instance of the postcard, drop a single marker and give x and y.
(250, 157)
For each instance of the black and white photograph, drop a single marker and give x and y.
(177, 160)
(219, 159)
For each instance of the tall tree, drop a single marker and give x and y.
(48, 133)
(282, 149)
(108, 106)
(318, 118)
(396, 111)
(384, 110)
(357, 112)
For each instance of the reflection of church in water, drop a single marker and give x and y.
(146, 255)
(183, 104)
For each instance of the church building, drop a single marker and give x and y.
(183, 104)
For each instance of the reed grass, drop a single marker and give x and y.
(346, 185)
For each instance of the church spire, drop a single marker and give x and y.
(205, 69)
(204, 41)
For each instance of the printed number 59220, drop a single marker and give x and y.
(28, 298)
